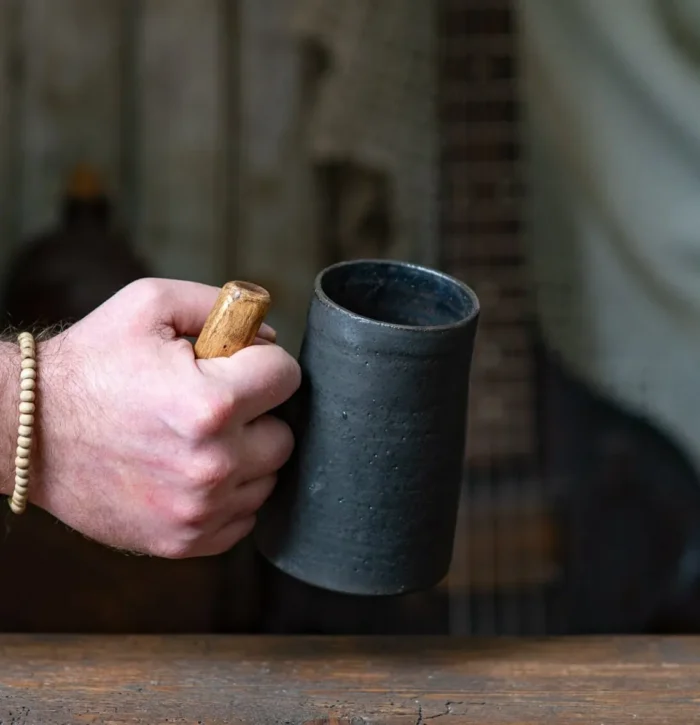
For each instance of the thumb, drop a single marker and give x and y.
(188, 304)
(184, 306)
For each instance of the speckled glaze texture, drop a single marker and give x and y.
(368, 502)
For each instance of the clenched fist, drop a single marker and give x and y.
(143, 447)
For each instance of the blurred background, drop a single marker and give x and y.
(545, 152)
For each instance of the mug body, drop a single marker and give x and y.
(368, 502)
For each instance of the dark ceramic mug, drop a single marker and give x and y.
(368, 502)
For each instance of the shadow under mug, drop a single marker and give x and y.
(367, 503)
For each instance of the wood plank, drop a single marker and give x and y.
(68, 95)
(70, 99)
(9, 72)
(397, 681)
(179, 129)
(279, 246)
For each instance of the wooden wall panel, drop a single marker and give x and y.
(179, 136)
(132, 87)
(277, 213)
(69, 99)
(7, 216)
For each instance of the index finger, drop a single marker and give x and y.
(185, 306)
(267, 333)
(260, 378)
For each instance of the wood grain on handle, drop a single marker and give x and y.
(234, 320)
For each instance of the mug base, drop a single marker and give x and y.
(351, 583)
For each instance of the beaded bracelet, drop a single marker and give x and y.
(27, 406)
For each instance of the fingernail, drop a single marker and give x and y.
(267, 333)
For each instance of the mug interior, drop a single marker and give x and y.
(398, 293)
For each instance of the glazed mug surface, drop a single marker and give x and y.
(368, 502)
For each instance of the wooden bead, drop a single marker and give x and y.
(17, 508)
(27, 408)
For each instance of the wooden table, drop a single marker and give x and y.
(216, 680)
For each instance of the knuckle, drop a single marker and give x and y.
(208, 414)
(175, 548)
(146, 292)
(147, 299)
(190, 514)
(211, 468)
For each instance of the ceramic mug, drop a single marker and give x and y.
(368, 502)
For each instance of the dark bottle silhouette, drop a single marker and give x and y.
(63, 274)
(59, 277)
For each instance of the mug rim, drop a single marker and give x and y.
(466, 289)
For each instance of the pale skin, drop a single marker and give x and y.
(140, 446)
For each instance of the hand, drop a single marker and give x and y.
(143, 447)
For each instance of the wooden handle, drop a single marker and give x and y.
(234, 320)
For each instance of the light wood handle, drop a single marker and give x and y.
(234, 320)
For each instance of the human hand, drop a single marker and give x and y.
(145, 448)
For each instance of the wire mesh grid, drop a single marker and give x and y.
(504, 562)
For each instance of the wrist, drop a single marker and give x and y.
(9, 401)
(52, 425)
(49, 421)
